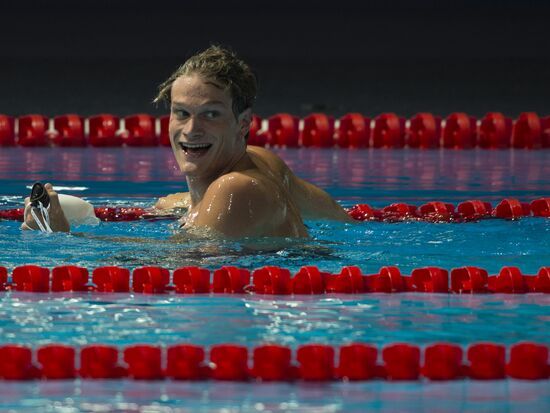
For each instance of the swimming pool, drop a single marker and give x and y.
(136, 177)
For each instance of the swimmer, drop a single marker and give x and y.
(235, 190)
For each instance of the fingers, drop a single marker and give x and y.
(29, 223)
(54, 198)
(49, 188)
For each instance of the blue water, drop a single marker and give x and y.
(136, 177)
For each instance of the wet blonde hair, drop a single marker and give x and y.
(222, 66)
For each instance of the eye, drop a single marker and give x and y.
(211, 114)
(180, 113)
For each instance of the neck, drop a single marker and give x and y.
(198, 185)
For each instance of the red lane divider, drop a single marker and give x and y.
(69, 131)
(435, 211)
(353, 130)
(272, 280)
(314, 362)
(7, 130)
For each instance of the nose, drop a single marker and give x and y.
(192, 128)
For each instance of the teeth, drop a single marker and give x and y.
(194, 145)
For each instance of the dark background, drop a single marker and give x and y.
(93, 56)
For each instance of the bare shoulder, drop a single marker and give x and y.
(242, 187)
(241, 204)
(268, 159)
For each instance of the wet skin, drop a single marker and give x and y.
(234, 190)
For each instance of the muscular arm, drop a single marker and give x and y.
(314, 203)
(237, 205)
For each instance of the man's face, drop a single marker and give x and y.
(205, 135)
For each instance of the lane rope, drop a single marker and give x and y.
(435, 211)
(310, 362)
(271, 280)
(353, 130)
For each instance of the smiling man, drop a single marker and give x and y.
(234, 190)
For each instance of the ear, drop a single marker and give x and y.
(244, 122)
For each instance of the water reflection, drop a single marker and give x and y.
(406, 173)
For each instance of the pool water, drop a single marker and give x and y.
(137, 177)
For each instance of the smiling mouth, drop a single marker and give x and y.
(195, 149)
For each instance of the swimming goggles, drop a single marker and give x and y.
(40, 202)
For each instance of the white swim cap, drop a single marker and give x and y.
(77, 211)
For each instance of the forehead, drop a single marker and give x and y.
(195, 89)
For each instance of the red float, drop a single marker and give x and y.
(546, 132)
(57, 362)
(459, 131)
(389, 131)
(474, 210)
(510, 280)
(442, 362)
(527, 131)
(349, 281)
(70, 130)
(16, 363)
(3, 278)
(186, 362)
(141, 130)
(495, 131)
(230, 362)
(111, 279)
(541, 207)
(115, 214)
(150, 280)
(363, 212)
(357, 362)
(511, 209)
(430, 280)
(272, 280)
(230, 279)
(487, 361)
(528, 361)
(272, 363)
(164, 137)
(104, 130)
(100, 362)
(469, 280)
(16, 214)
(315, 362)
(318, 131)
(541, 282)
(283, 130)
(31, 278)
(309, 280)
(144, 362)
(390, 280)
(437, 211)
(399, 212)
(7, 130)
(69, 278)
(424, 131)
(353, 131)
(254, 136)
(401, 362)
(191, 280)
(32, 130)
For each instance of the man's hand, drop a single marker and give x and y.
(58, 221)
